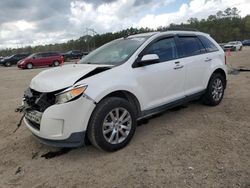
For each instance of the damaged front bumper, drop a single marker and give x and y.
(61, 125)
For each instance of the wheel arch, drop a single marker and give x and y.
(26, 65)
(124, 94)
(130, 97)
(219, 71)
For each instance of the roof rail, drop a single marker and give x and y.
(181, 29)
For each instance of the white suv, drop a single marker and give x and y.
(101, 98)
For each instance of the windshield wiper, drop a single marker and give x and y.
(93, 63)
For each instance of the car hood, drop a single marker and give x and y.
(62, 77)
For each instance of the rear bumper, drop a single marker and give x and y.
(64, 125)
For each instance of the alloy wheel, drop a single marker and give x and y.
(117, 125)
(217, 89)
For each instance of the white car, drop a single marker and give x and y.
(233, 46)
(101, 98)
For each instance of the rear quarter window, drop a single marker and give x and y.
(210, 46)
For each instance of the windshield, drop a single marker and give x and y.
(232, 42)
(115, 52)
(11, 56)
(32, 55)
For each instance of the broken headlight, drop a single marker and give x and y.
(70, 94)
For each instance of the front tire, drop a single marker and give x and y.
(215, 90)
(29, 66)
(112, 124)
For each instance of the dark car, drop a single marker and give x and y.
(41, 60)
(74, 54)
(12, 60)
(246, 42)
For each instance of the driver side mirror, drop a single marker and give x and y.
(147, 59)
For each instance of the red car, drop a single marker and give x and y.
(41, 60)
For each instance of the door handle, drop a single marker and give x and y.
(208, 59)
(178, 67)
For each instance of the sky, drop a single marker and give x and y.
(38, 22)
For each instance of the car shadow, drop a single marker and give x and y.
(88, 147)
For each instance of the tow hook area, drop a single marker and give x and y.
(21, 109)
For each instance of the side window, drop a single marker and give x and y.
(190, 46)
(210, 47)
(39, 56)
(165, 49)
(16, 57)
(23, 56)
(49, 54)
(54, 54)
(44, 55)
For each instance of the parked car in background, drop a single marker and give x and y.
(12, 60)
(233, 46)
(74, 54)
(222, 45)
(41, 60)
(128, 79)
(246, 42)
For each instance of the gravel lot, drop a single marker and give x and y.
(196, 146)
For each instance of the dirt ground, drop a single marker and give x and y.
(197, 146)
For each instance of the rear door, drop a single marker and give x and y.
(49, 59)
(161, 82)
(196, 61)
(45, 61)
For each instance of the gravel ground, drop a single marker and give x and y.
(196, 146)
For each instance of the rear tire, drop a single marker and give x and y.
(215, 90)
(112, 124)
(7, 64)
(56, 63)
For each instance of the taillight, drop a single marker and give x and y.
(62, 58)
(225, 60)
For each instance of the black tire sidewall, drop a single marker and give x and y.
(95, 127)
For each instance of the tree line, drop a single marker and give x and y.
(224, 26)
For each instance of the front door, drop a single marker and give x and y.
(161, 82)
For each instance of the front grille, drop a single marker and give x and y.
(33, 124)
(37, 100)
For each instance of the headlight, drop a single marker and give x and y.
(70, 94)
